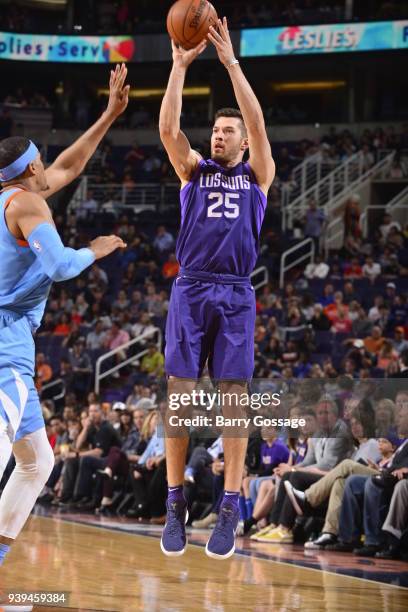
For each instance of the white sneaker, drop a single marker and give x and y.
(323, 540)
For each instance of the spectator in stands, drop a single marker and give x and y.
(119, 458)
(359, 355)
(122, 302)
(396, 522)
(352, 230)
(328, 295)
(81, 368)
(387, 225)
(369, 457)
(314, 223)
(399, 342)
(96, 339)
(371, 269)
(366, 498)
(63, 326)
(153, 362)
(116, 337)
(387, 357)
(143, 326)
(331, 445)
(374, 341)
(374, 312)
(320, 321)
(88, 207)
(171, 267)
(317, 269)
(353, 269)
(97, 276)
(164, 241)
(341, 323)
(403, 364)
(92, 446)
(43, 371)
(273, 453)
(333, 309)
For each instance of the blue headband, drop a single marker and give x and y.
(19, 166)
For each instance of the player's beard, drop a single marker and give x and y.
(225, 157)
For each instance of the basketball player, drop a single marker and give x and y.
(212, 306)
(32, 257)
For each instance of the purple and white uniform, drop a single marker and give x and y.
(212, 306)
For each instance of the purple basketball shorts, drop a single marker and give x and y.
(212, 317)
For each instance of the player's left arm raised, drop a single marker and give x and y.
(69, 165)
(261, 159)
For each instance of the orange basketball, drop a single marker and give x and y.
(189, 21)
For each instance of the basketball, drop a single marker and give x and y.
(188, 22)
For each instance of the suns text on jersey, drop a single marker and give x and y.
(217, 179)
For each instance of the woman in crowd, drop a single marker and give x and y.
(369, 456)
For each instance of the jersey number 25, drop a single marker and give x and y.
(231, 209)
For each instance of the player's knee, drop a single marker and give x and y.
(346, 466)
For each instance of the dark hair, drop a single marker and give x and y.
(365, 415)
(235, 113)
(11, 149)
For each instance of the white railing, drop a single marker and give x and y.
(54, 383)
(265, 280)
(303, 176)
(337, 181)
(400, 199)
(297, 247)
(335, 228)
(113, 196)
(123, 348)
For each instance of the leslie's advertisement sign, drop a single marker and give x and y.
(337, 38)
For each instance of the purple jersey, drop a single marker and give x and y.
(222, 211)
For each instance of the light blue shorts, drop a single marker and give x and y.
(20, 409)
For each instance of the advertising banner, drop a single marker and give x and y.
(337, 38)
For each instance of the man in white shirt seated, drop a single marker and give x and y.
(371, 269)
(318, 269)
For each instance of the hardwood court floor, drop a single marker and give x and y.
(112, 571)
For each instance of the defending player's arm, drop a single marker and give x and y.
(31, 218)
(69, 165)
(183, 158)
(261, 159)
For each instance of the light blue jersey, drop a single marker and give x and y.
(24, 289)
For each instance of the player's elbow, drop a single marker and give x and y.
(61, 272)
(168, 132)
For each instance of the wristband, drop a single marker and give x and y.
(232, 63)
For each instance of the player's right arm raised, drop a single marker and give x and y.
(31, 218)
(183, 158)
